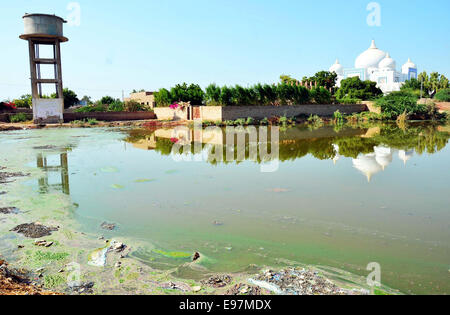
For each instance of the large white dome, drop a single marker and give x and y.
(337, 68)
(370, 58)
(387, 63)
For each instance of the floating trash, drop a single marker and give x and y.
(98, 257)
(117, 186)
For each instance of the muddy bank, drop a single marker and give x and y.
(34, 230)
(16, 282)
(6, 177)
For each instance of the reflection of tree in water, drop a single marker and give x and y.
(293, 145)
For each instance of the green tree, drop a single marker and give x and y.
(287, 79)
(70, 98)
(163, 98)
(25, 101)
(324, 78)
(354, 88)
(106, 100)
(212, 95)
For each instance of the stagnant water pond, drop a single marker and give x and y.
(338, 196)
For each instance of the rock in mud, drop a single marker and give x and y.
(108, 226)
(218, 281)
(196, 256)
(34, 230)
(117, 247)
(9, 210)
(176, 286)
(243, 289)
(83, 288)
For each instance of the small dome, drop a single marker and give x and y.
(387, 63)
(370, 58)
(337, 68)
(408, 65)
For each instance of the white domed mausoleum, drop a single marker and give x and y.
(378, 66)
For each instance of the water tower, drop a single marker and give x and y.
(45, 30)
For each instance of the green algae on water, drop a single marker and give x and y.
(109, 169)
(143, 180)
(175, 255)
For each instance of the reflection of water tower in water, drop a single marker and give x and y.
(45, 30)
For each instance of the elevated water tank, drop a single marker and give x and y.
(43, 26)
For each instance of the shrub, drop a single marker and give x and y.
(184, 93)
(354, 88)
(92, 109)
(107, 100)
(134, 106)
(443, 95)
(21, 117)
(264, 121)
(315, 120)
(92, 121)
(349, 100)
(338, 118)
(249, 121)
(321, 95)
(239, 122)
(212, 95)
(70, 98)
(163, 98)
(25, 101)
(226, 96)
(397, 103)
(116, 106)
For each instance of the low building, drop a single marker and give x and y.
(144, 98)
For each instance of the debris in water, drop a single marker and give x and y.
(108, 226)
(9, 210)
(295, 281)
(243, 289)
(34, 230)
(176, 286)
(218, 281)
(217, 223)
(43, 243)
(117, 186)
(5, 177)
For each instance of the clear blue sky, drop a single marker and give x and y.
(125, 45)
